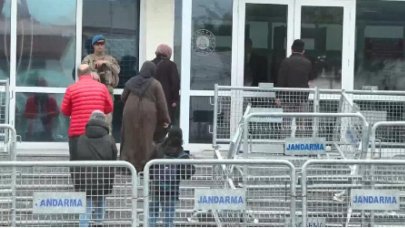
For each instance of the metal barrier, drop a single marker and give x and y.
(353, 193)
(4, 116)
(378, 105)
(263, 196)
(68, 193)
(230, 104)
(374, 105)
(390, 139)
(8, 146)
(4, 101)
(344, 134)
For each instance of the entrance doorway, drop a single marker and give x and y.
(267, 29)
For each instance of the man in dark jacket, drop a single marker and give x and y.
(168, 76)
(97, 145)
(165, 179)
(295, 72)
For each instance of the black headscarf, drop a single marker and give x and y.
(142, 81)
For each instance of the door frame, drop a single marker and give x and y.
(294, 32)
(238, 56)
(348, 33)
(238, 48)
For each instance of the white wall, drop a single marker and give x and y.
(159, 26)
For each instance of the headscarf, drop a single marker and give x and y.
(141, 82)
(165, 50)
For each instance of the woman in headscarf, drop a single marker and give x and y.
(168, 76)
(144, 109)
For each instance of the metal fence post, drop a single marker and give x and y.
(215, 119)
(373, 133)
(11, 144)
(304, 193)
(146, 181)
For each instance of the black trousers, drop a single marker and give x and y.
(73, 147)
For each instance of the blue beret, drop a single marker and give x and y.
(97, 38)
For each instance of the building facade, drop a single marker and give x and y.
(351, 43)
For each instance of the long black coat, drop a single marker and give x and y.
(95, 145)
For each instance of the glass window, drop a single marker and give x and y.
(266, 34)
(201, 119)
(177, 33)
(118, 21)
(211, 49)
(38, 117)
(322, 32)
(380, 47)
(5, 11)
(46, 31)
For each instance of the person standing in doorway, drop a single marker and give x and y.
(168, 76)
(255, 69)
(105, 68)
(295, 72)
(80, 100)
(144, 109)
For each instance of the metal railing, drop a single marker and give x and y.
(346, 133)
(9, 143)
(353, 192)
(374, 105)
(65, 193)
(389, 136)
(231, 102)
(264, 196)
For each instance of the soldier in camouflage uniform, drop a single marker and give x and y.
(105, 68)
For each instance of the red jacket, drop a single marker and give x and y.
(49, 112)
(81, 99)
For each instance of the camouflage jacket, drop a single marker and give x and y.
(108, 72)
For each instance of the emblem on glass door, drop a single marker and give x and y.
(204, 42)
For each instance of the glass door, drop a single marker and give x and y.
(265, 30)
(328, 30)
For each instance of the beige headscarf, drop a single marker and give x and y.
(164, 50)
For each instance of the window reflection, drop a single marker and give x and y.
(201, 119)
(118, 21)
(380, 45)
(211, 52)
(322, 32)
(38, 118)
(177, 33)
(266, 34)
(46, 41)
(5, 11)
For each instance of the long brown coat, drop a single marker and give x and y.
(140, 117)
